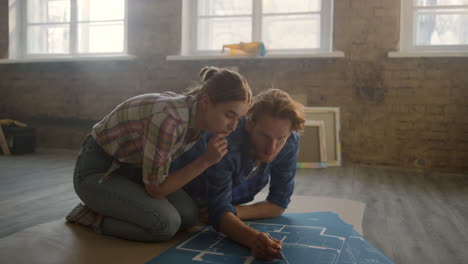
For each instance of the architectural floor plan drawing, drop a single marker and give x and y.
(321, 238)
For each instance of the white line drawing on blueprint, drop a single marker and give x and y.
(312, 238)
(292, 236)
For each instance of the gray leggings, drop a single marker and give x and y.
(129, 212)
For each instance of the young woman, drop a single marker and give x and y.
(121, 172)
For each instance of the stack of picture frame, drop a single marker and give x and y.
(320, 145)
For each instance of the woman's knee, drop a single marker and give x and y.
(164, 227)
(186, 207)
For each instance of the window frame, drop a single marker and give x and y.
(190, 24)
(408, 29)
(22, 35)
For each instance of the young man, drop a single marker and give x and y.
(262, 149)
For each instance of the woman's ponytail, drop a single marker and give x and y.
(222, 85)
(207, 72)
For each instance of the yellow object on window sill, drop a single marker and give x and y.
(7, 122)
(246, 48)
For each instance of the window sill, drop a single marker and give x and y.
(62, 59)
(334, 54)
(408, 54)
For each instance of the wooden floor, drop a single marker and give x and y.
(412, 217)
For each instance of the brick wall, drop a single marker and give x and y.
(407, 112)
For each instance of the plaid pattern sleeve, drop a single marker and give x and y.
(147, 131)
(162, 136)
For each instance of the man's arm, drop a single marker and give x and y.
(260, 244)
(282, 173)
(263, 209)
(235, 229)
(281, 185)
(222, 215)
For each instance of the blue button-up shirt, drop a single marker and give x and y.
(226, 183)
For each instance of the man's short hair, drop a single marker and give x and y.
(278, 104)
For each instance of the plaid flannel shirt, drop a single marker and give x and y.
(149, 131)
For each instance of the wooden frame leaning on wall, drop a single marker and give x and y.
(331, 119)
(312, 150)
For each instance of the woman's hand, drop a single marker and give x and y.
(154, 191)
(215, 149)
(266, 248)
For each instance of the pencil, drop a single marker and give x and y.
(281, 252)
(284, 258)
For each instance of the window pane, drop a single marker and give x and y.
(224, 7)
(98, 10)
(440, 2)
(291, 32)
(282, 6)
(438, 29)
(46, 11)
(100, 37)
(48, 39)
(213, 33)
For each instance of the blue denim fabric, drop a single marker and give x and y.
(225, 184)
(129, 212)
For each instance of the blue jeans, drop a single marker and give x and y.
(129, 212)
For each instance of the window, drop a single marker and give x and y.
(434, 26)
(56, 28)
(293, 26)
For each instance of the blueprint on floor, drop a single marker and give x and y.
(321, 238)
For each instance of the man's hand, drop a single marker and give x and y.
(266, 248)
